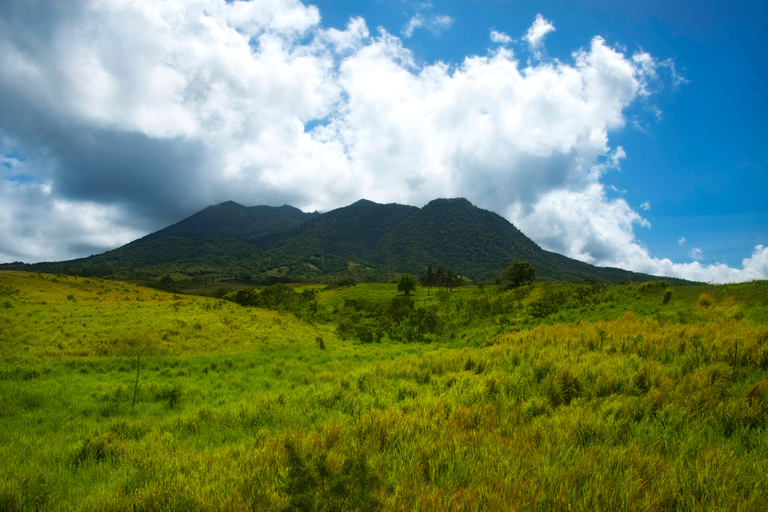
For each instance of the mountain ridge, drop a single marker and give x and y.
(365, 240)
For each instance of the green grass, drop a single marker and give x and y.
(612, 401)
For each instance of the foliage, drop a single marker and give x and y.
(315, 485)
(365, 242)
(167, 283)
(611, 401)
(518, 273)
(428, 278)
(406, 284)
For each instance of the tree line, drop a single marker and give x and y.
(440, 277)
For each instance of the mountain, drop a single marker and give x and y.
(455, 233)
(231, 220)
(339, 240)
(365, 239)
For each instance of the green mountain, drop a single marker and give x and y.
(231, 220)
(366, 240)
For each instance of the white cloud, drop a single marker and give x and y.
(753, 268)
(696, 253)
(500, 37)
(681, 241)
(49, 229)
(436, 24)
(415, 22)
(132, 115)
(646, 205)
(535, 35)
(347, 40)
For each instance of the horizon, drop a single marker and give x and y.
(617, 134)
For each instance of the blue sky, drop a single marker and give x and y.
(628, 134)
(701, 165)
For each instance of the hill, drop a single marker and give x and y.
(552, 396)
(232, 220)
(365, 240)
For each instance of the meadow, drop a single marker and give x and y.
(552, 396)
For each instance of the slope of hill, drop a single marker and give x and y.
(231, 220)
(455, 233)
(122, 397)
(338, 240)
(366, 239)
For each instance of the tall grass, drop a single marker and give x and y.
(651, 407)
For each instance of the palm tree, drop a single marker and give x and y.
(440, 276)
(428, 278)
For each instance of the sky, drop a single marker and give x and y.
(626, 134)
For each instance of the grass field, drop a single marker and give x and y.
(549, 397)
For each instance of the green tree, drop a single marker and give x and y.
(452, 280)
(428, 278)
(441, 274)
(406, 284)
(517, 274)
(446, 278)
(167, 283)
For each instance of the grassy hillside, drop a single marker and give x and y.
(548, 397)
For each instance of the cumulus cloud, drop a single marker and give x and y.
(535, 35)
(68, 229)
(500, 37)
(753, 268)
(119, 118)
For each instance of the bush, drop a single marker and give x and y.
(667, 296)
(705, 300)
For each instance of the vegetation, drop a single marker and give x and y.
(406, 284)
(548, 396)
(365, 241)
(517, 274)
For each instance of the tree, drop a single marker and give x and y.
(517, 274)
(441, 275)
(406, 284)
(167, 283)
(445, 277)
(429, 278)
(452, 280)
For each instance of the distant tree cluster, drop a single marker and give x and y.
(399, 319)
(518, 273)
(277, 296)
(440, 277)
(167, 283)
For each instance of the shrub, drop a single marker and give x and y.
(667, 296)
(705, 300)
(651, 285)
